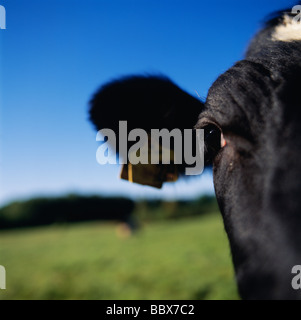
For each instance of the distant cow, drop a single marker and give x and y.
(252, 122)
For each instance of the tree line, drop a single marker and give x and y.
(76, 208)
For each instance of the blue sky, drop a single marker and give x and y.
(55, 54)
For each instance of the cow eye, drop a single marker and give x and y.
(214, 141)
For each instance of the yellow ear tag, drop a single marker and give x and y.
(153, 175)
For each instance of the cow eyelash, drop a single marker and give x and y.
(214, 141)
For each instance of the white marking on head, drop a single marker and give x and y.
(288, 30)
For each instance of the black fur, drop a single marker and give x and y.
(144, 102)
(257, 176)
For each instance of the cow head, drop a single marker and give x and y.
(252, 123)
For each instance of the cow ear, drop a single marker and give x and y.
(146, 102)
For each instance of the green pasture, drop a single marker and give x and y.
(177, 259)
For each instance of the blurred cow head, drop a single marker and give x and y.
(252, 123)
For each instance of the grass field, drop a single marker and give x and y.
(183, 259)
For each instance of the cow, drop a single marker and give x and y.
(252, 124)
